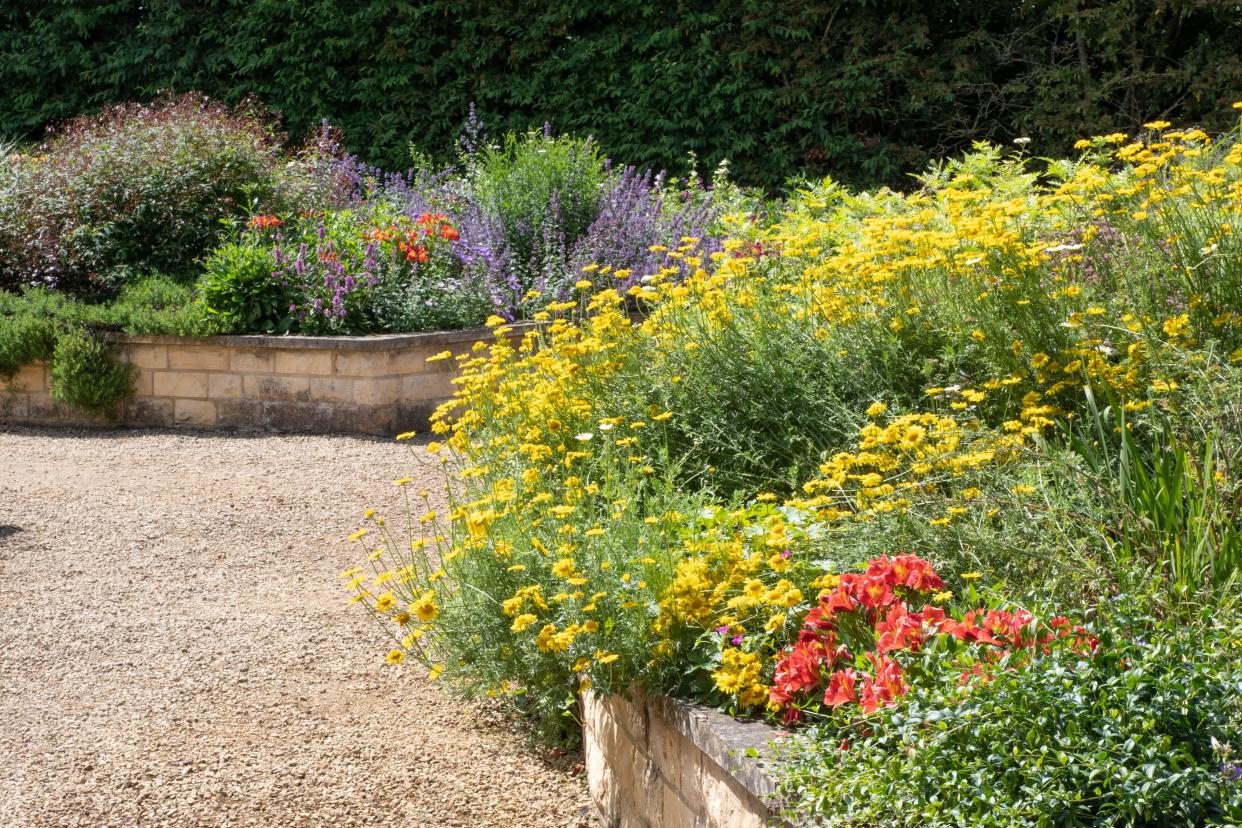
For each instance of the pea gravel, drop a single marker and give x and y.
(175, 648)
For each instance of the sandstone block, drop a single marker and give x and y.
(183, 384)
(14, 406)
(427, 387)
(31, 378)
(726, 804)
(408, 361)
(252, 362)
(366, 364)
(149, 411)
(194, 413)
(276, 388)
(673, 812)
(224, 386)
(318, 363)
(145, 356)
(198, 357)
(144, 382)
(332, 389)
(376, 391)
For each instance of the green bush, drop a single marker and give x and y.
(137, 188)
(862, 90)
(1141, 733)
(43, 325)
(24, 339)
(238, 288)
(543, 191)
(86, 375)
(160, 306)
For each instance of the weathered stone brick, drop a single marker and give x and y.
(332, 389)
(224, 386)
(14, 406)
(673, 812)
(144, 355)
(376, 391)
(194, 413)
(32, 378)
(252, 362)
(144, 382)
(276, 388)
(149, 411)
(198, 357)
(726, 804)
(317, 363)
(365, 364)
(183, 384)
(418, 387)
(407, 361)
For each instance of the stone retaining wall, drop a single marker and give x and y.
(367, 384)
(654, 762)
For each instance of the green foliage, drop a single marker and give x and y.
(861, 89)
(1143, 733)
(134, 189)
(85, 374)
(24, 339)
(159, 306)
(544, 192)
(1173, 510)
(43, 325)
(237, 287)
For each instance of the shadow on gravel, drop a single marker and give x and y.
(7, 531)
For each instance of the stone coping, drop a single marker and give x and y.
(727, 741)
(371, 342)
(658, 762)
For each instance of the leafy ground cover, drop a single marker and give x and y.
(897, 470)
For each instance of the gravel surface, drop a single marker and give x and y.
(175, 648)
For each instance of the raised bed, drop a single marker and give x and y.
(655, 762)
(349, 384)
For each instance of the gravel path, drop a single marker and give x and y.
(175, 647)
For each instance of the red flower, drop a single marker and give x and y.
(916, 573)
(428, 219)
(448, 232)
(899, 630)
(875, 592)
(932, 617)
(819, 618)
(413, 252)
(889, 684)
(840, 599)
(841, 688)
(799, 669)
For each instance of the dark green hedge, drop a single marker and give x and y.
(863, 89)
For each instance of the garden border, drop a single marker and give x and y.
(381, 385)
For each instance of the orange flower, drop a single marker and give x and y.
(264, 222)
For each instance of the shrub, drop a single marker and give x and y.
(544, 192)
(43, 325)
(133, 189)
(86, 375)
(238, 286)
(436, 250)
(354, 271)
(1139, 731)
